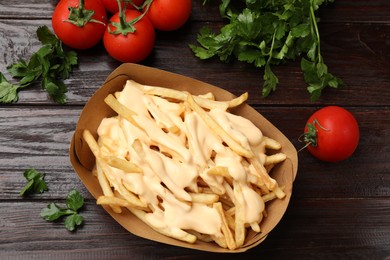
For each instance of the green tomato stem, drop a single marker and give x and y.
(124, 27)
(81, 8)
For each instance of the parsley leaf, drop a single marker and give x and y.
(53, 212)
(8, 91)
(270, 32)
(35, 184)
(74, 202)
(72, 221)
(50, 64)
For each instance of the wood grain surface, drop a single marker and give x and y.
(338, 210)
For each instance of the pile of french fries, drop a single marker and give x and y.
(119, 158)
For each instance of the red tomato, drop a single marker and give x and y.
(79, 37)
(133, 47)
(332, 134)
(169, 15)
(112, 5)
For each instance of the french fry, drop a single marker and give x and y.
(229, 192)
(235, 102)
(262, 174)
(255, 227)
(230, 220)
(219, 171)
(205, 102)
(128, 195)
(122, 110)
(231, 244)
(215, 127)
(239, 215)
(205, 198)
(112, 200)
(87, 136)
(123, 164)
(279, 193)
(270, 196)
(104, 184)
(100, 175)
(274, 159)
(271, 143)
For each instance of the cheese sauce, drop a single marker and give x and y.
(174, 161)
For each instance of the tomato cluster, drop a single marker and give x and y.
(127, 32)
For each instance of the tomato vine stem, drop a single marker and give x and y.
(124, 27)
(310, 137)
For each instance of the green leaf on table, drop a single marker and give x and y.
(72, 221)
(36, 183)
(53, 212)
(270, 81)
(8, 92)
(56, 89)
(74, 202)
(45, 36)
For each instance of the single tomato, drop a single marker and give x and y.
(129, 41)
(112, 5)
(169, 15)
(79, 24)
(331, 134)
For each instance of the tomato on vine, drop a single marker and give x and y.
(168, 15)
(79, 24)
(129, 37)
(331, 134)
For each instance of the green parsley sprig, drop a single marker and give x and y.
(74, 202)
(270, 32)
(36, 182)
(8, 91)
(51, 64)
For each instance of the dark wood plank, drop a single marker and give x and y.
(356, 11)
(34, 9)
(322, 229)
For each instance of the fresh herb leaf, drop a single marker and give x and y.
(36, 183)
(270, 32)
(8, 92)
(53, 212)
(72, 221)
(50, 64)
(74, 202)
(270, 81)
(46, 37)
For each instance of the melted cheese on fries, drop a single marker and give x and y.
(184, 165)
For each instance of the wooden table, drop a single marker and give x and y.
(338, 210)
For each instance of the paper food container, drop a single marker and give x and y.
(95, 110)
